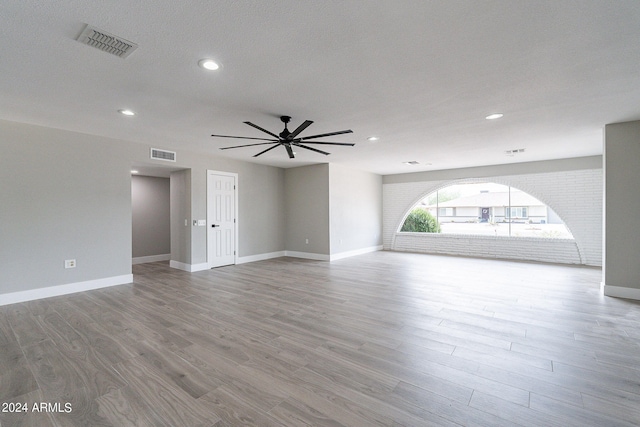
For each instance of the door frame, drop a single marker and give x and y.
(236, 211)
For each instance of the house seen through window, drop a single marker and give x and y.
(485, 209)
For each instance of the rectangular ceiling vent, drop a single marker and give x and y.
(167, 156)
(514, 152)
(106, 42)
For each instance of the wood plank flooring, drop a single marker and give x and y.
(382, 339)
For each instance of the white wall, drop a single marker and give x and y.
(572, 188)
(621, 275)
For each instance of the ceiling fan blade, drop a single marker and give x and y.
(350, 144)
(249, 145)
(299, 129)
(262, 152)
(312, 149)
(263, 130)
(326, 134)
(289, 150)
(243, 137)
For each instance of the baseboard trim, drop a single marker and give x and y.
(260, 257)
(270, 255)
(200, 267)
(307, 255)
(191, 268)
(150, 258)
(69, 288)
(348, 254)
(622, 292)
(321, 257)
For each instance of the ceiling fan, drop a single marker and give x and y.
(287, 139)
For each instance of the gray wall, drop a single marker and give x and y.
(622, 203)
(261, 208)
(337, 209)
(355, 209)
(63, 196)
(180, 216)
(67, 195)
(307, 209)
(260, 204)
(150, 207)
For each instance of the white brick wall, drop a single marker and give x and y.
(576, 196)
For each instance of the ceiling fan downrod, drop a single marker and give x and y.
(285, 133)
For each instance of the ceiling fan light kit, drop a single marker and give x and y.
(288, 139)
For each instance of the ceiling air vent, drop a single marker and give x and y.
(514, 152)
(106, 42)
(167, 156)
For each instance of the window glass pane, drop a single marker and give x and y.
(491, 209)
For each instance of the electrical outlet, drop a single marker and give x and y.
(69, 263)
(306, 241)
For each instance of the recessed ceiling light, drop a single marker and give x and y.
(412, 163)
(127, 112)
(208, 64)
(135, 171)
(372, 138)
(494, 116)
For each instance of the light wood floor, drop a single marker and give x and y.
(383, 339)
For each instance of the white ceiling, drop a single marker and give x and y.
(420, 75)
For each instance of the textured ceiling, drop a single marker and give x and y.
(420, 75)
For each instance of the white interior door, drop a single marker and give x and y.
(221, 219)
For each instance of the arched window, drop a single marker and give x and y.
(485, 208)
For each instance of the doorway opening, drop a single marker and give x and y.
(151, 209)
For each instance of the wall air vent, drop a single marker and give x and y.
(511, 153)
(106, 42)
(167, 156)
